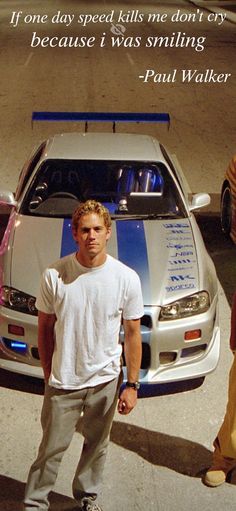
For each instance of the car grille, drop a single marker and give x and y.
(35, 353)
(146, 355)
(193, 351)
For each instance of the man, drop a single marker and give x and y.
(82, 300)
(224, 455)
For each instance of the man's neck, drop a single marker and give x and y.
(91, 262)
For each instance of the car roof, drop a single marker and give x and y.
(103, 146)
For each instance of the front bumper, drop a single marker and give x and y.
(167, 356)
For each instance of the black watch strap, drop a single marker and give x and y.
(133, 385)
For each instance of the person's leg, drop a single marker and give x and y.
(100, 405)
(227, 433)
(220, 467)
(60, 413)
(224, 455)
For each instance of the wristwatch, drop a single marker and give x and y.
(133, 385)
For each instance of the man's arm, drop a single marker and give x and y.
(133, 354)
(233, 325)
(46, 341)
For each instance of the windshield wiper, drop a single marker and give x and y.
(164, 215)
(148, 216)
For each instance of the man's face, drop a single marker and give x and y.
(91, 236)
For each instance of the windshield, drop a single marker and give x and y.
(125, 188)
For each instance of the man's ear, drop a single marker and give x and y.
(74, 234)
(109, 232)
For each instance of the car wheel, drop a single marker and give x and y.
(226, 211)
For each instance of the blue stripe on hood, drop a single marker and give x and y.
(68, 244)
(132, 250)
(131, 244)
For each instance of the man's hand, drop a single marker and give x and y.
(127, 400)
(133, 353)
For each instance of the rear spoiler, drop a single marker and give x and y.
(112, 117)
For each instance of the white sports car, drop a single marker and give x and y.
(154, 232)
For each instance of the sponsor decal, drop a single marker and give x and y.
(182, 257)
(180, 261)
(179, 278)
(178, 238)
(179, 287)
(183, 253)
(179, 246)
(177, 231)
(176, 226)
(180, 268)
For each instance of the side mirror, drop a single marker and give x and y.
(7, 198)
(199, 200)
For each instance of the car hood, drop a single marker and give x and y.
(161, 251)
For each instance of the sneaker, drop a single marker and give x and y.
(89, 506)
(221, 468)
(215, 478)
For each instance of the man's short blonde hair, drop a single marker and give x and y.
(91, 206)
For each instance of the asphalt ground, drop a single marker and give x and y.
(157, 454)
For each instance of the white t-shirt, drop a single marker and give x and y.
(89, 304)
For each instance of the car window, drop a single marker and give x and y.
(28, 169)
(124, 187)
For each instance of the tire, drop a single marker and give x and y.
(226, 211)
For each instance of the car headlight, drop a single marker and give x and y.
(17, 300)
(188, 306)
